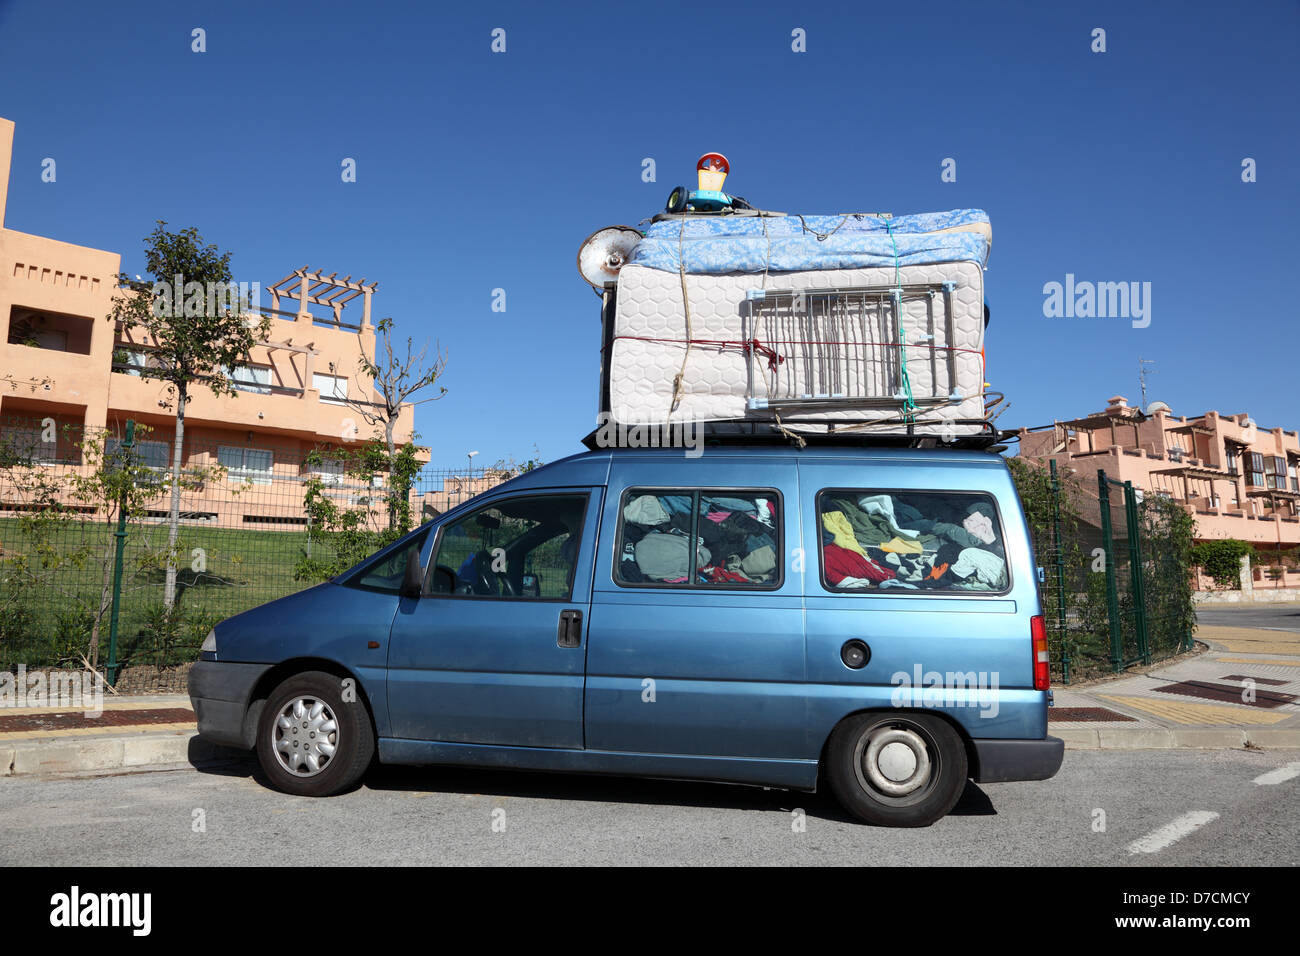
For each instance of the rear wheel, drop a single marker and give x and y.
(896, 770)
(310, 741)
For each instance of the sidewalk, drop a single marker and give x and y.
(132, 733)
(1194, 703)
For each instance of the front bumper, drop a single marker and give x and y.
(997, 761)
(220, 692)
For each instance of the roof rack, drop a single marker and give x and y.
(739, 432)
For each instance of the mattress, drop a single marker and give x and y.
(894, 348)
(716, 245)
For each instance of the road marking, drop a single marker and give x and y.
(1157, 840)
(1280, 775)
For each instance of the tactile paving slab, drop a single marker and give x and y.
(1258, 680)
(78, 720)
(1062, 714)
(1227, 694)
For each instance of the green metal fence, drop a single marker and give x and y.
(85, 535)
(1116, 582)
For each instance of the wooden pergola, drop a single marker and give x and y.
(307, 287)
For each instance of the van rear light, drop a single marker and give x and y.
(1038, 633)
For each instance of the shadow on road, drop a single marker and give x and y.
(583, 787)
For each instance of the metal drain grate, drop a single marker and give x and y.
(1258, 680)
(1085, 713)
(1227, 694)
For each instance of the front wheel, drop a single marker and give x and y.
(310, 741)
(896, 770)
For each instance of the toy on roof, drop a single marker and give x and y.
(711, 170)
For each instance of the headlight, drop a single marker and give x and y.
(209, 643)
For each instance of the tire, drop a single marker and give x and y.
(677, 199)
(341, 748)
(896, 769)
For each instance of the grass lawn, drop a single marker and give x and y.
(222, 571)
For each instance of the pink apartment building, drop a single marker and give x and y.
(1239, 480)
(54, 300)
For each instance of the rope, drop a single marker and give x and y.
(795, 436)
(909, 402)
(686, 311)
(822, 236)
(755, 345)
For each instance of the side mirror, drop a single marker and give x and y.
(413, 579)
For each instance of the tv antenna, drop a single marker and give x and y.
(1142, 379)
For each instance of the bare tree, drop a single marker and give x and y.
(396, 377)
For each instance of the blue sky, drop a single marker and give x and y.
(478, 171)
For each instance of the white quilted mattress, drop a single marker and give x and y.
(799, 354)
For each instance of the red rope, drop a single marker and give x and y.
(774, 358)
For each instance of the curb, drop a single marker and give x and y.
(1166, 738)
(140, 752)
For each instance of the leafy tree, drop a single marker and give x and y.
(197, 334)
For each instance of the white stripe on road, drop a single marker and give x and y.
(1157, 840)
(1280, 775)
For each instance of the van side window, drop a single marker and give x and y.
(524, 547)
(700, 537)
(386, 573)
(902, 541)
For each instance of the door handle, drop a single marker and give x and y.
(570, 633)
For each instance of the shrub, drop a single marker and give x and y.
(1221, 560)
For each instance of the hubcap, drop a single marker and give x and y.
(894, 761)
(305, 736)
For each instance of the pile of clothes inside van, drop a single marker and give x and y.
(735, 540)
(912, 541)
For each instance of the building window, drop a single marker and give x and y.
(330, 472)
(26, 444)
(1274, 472)
(130, 361)
(1292, 477)
(250, 378)
(150, 454)
(253, 465)
(1255, 469)
(1230, 452)
(333, 388)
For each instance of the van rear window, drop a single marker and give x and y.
(700, 537)
(901, 541)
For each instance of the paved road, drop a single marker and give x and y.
(1284, 617)
(445, 816)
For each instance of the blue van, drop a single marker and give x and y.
(864, 619)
